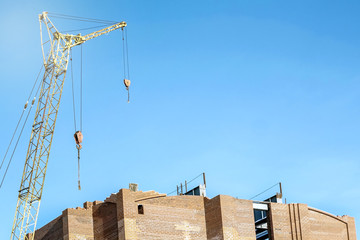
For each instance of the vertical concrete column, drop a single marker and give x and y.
(126, 208)
(78, 224)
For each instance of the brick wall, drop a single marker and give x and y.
(126, 215)
(237, 218)
(51, 231)
(190, 217)
(326, 226)
(178, 217)
(214, 227)
(350, 227)
(105, 221)
(298, 221)
(78, 224)
(280, 221)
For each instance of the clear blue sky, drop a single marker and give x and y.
(250, 92)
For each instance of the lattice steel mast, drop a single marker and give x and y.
(55, 63)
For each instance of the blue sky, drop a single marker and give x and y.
(250, 92)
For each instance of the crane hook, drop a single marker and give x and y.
(127, 83)
(78, 140)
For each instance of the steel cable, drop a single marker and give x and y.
(72, 84)
(75, 18)
(81, 85)
(127, 53)
(81, 29)
(188, 182)
(264, 191)
(19, 137)
(124, 60)
(22, 114)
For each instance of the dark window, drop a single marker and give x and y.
(140, 209)
(261, 224)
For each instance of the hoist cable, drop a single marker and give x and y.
(81, 86)
(72, 83)
(22, 114)
(123, 40)
(79, 185)
(19, 137)
(127, 53)
(126, 61)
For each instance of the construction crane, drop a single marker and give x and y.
(56, 50)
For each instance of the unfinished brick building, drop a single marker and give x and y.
(149, 215)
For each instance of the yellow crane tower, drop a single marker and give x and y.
(56, 50)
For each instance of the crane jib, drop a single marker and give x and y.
(56, 51)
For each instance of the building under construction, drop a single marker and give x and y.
(131, 214)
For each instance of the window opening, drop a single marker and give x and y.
(140, 209)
